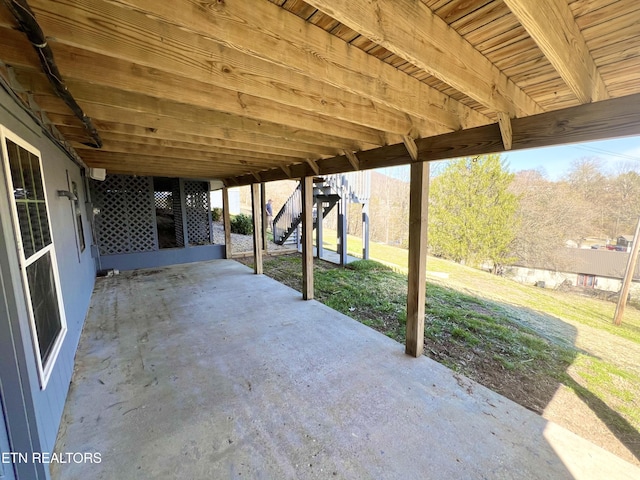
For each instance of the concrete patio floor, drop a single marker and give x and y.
(207, 371)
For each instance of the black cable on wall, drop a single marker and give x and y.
(29, 25)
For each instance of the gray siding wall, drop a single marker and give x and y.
(76, 271)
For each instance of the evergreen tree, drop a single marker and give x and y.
(472, 217)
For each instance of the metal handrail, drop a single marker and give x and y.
(355, 185)
(288, 214)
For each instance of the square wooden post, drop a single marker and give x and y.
(307, 238)
(226, 221)
(343, 205)
(256, 204)
(319, 222)
(416, 290)
(365, 231)
(263, 195)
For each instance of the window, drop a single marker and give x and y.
(585, 280)
(36, 251)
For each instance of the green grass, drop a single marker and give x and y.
(570, 308)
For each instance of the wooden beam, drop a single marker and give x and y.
(169, 48)
(416, 290)
(295, 44)
(205, 153)
(613, 118)
(256, 204)
(504, 122)
(307, 238)
(313, 165)
(412, 31)
(126, 106)
(353, 159)
(189, 142)
(412, 148)
(258, 115)
(552, 26)
(256, 175)
(286, 170)
(226, 221)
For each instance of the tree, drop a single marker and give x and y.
(549, 214)
(472, 212)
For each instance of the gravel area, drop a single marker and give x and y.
(243, 243)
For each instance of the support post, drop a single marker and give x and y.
(319, 221)
(365, 231)
(342, 227)
(307, 238)
(226, 221)
(256, 204)
(628, 276)
(416, 290)
(263, 196)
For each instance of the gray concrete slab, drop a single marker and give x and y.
(206, 371)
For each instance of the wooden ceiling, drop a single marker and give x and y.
(255, 90)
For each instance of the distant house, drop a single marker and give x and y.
(587, 268)
(624, 240)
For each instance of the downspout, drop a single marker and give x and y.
(29, 25)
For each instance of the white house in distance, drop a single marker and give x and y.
(587, 268)
(234, 199)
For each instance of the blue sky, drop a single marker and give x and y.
(556, 161)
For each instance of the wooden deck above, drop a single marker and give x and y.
(259, 90)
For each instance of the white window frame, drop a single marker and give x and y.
(44, 371)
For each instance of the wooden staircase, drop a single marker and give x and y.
(286, 221)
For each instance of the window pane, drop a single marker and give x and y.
(44, 224)
(25, 229)
(16, 171)
(28, 192)
(38, 192)
(44, 300)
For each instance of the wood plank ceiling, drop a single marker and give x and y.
(253, 90)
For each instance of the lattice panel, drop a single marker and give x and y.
(126, 223)
(198, 212)
(177, 214)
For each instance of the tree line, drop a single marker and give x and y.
(480, 212)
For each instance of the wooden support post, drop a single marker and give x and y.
(416, 291)
(365, 231)
(256, 204)
(263, 196)
(319, 222)
(628, 276)
(226, 221)
(342, 228)
(307, 238)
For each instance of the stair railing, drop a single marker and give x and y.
(288, 214)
